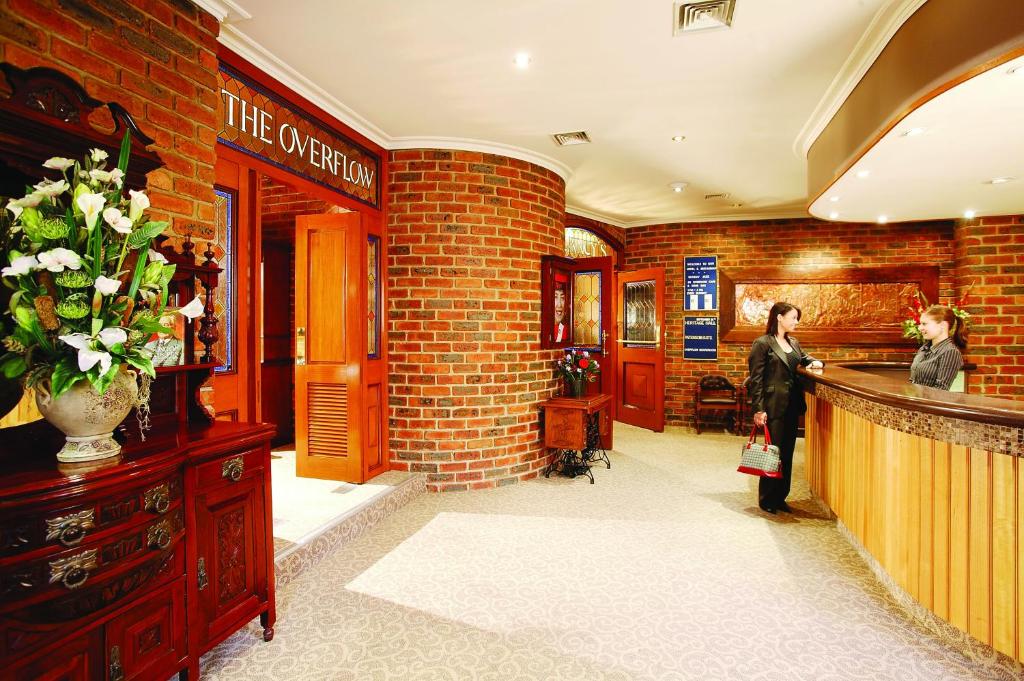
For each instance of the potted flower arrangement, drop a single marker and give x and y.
(88, 293)
(577, 368)
(920, 303)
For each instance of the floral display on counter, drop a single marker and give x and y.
(920, 303)
(577, 368)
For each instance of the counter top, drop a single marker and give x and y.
(855, 378)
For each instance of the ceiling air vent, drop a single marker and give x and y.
(565, 139)
(701, 16)
(711, 197)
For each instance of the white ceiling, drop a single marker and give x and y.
(440, 73)
(961, 140)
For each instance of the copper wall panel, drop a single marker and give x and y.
(827, 305)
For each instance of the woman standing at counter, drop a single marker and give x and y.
(777, 397)
(939, 359)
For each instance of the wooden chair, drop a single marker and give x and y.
(716, 394)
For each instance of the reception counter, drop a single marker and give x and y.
(931, 486)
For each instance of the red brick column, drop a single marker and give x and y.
(466, 233)
(990, 260)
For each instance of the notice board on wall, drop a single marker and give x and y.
(700, 282)
(700, 338)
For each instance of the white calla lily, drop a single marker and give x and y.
(193, 309)
(58, 163)
(87, 357)
(139, 203)
(156, 256)
(119, 222)
(91, 205)
(57, 259)
(112, 335)
(51, 189)
(20, 266)
(107, 286)
(15, 208)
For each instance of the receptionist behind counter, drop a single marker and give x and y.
(940, 358)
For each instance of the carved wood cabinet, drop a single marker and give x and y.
(133, 568)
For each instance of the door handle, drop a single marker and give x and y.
(300, 346)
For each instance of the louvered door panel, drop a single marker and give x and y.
(328, 420)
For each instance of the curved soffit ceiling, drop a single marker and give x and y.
(443, 71)
(941, 159)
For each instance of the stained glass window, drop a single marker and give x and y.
(373, 296)
(586, 308)
(639, 313)
(224, 305)
(582, 243)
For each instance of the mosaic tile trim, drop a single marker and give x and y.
(288, 566)
(999, 665)
(991, 438)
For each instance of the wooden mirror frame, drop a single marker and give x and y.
(926, 277)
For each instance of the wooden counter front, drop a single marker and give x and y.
(931, 484)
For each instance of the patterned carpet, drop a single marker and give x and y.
(663, 569)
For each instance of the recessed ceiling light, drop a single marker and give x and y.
(833, 215)
(677, 186)
(833, 199)
(882, 219)
(522, 60)
(969, 214)
(678, 138)
(863, 173)
(913, 132)
(999, 180)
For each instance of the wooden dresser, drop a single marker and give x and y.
(132, 569)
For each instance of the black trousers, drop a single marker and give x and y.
(771, 492)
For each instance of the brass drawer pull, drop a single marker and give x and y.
(69, 530)
(73, 570)
(232, 469)
(158, 499)
(159, 536)
(201, 578)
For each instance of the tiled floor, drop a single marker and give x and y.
(304, 506)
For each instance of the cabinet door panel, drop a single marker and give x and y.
(148, 641)
(230, 525)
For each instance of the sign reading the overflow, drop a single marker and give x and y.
(261, 124)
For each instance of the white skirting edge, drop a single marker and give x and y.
(1000, 665)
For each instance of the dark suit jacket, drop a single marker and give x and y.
(772, 384)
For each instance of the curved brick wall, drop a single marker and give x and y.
(466, 233)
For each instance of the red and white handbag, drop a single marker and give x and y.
(760, 459)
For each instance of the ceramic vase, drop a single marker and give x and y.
(87, 418)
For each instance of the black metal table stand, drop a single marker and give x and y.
(572, 463)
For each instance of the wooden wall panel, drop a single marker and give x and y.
(1004, 568)
(946, 522)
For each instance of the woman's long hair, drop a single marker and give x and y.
(773, 317)
(957, 330)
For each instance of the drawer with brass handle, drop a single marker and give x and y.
(56, 526)
(230, 469)
(71, 568)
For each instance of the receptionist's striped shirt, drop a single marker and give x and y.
(936, 365)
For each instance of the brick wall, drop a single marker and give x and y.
(466, 232)
(156, 58)
(990, 262)
(805, 242)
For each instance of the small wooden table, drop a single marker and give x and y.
(581, 430)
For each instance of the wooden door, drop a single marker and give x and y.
(329, 346)
(235, 386)
(640, 361)
(593, 293)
